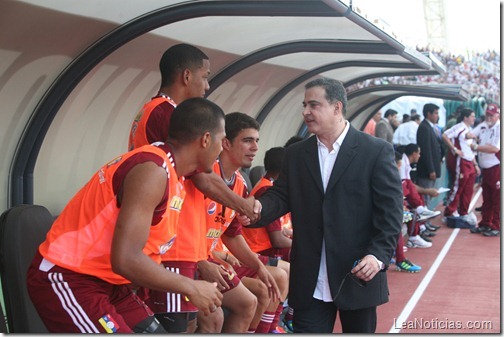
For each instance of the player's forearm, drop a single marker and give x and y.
(214, 187)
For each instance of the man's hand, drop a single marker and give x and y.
(432, 192)
(264, 275)
(253, 213)
(366, 269)
(478, 170)
(212, 272)
(205, 296)
(257, 207)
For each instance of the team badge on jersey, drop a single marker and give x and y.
(114, 161)
(165, 247)
(108, 323)
(212, 207)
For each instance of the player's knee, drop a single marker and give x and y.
(262, 293)
(285, 266)
(247, 303)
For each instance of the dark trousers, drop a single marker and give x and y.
(320, 317)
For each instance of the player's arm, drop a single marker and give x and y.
(214, 187)
(143, 189)
(279, 240)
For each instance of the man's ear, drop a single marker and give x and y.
(186, 75)
(226, 144)
(206, 140)
(338, 107)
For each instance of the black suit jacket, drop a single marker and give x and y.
(430, 145)
(360, 213)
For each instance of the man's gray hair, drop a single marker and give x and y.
(335, 91)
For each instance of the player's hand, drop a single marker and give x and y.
(243, 220)
(212, 272)
(432, 192)
(252, 213)
(264, 275)
(205, 296)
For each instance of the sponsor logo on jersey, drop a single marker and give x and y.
(213, 233)
(176, 203)
(165, 247)
(220, 220)
(108, 323)
(212, 207)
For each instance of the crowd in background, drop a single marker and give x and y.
(479, 73)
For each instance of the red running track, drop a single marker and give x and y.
(457, 290)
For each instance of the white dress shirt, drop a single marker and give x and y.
(405, 133)
(326, 162)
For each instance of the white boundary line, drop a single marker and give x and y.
(398, 323)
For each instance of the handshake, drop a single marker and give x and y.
(250, 212)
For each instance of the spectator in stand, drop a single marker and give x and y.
(406, 133)
(371, 124)
(429, 164)
(480, 72)
(488, 147)
(466, 168)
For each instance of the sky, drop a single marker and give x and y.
(470, 25)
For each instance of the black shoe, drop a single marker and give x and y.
(478, 209)
(493, 232)
(431, 227)
(425, 237)
(428, 233)
(480, 229)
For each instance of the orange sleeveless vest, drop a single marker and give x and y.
(81, 237)
(258, 238)
(138, 133)
(191, 243)
(218, 217)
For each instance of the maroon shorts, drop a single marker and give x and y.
(70, 302)
(232, 279)
(246, 271)
(160, 301)
(282, 253)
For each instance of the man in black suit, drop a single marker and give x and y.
(345, 197)
(429, 164)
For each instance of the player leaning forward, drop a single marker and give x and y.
(112, 232)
